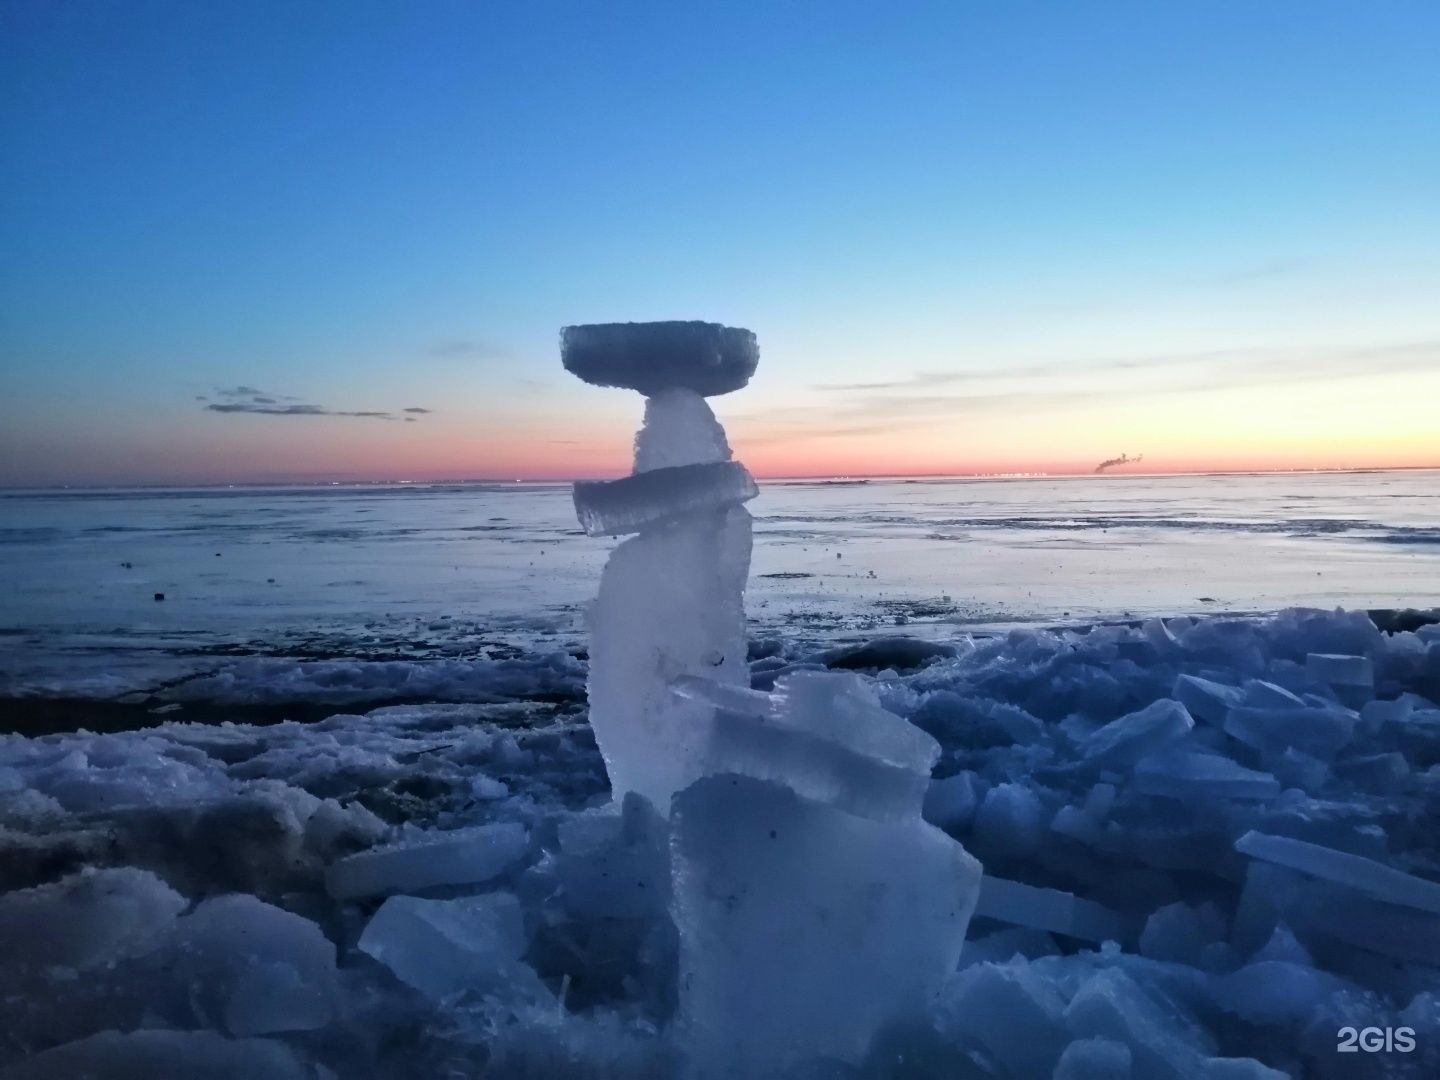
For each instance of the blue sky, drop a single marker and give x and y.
(970, 235)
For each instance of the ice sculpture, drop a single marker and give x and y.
(671, 596)
(812, 901)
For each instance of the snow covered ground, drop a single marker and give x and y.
(1210, 847)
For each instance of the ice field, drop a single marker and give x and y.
(1202, 841)
(967, 795)
(429, 572)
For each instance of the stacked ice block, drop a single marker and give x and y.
(671, 596)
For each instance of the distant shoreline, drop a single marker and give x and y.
(851, 478)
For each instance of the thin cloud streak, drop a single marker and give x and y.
(247, 399)
(867, 412)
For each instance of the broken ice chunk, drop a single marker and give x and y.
(442, 947)
(1059, 912)
(1340, 670)
(162, 1055)
(1356, 872)
(633, 503)
(1389, 712)
(1009, 1010)
(705, 357)
(1266, 695)
(268, 998)
(950, 803)
(1205, 698)
(1190, 774)
(1123, 741)
(458, 857)
(1319, 732)
(1274, 991)
(1166, 1043)
(804, 928)
(85, 921)
(824, 735)
(1006, 944)
(1094, 1059)
(616, 865)
(845, 708)
(265, 969)
(1180, 933)
(1010, 823)
(679, 429)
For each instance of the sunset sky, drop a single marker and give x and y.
(972, 236)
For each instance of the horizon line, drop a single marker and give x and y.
(766, 479)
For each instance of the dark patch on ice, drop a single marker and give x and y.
(900, 653)
(786, 575)
(1402, 620)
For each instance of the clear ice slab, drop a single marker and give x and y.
(646, 499)
(803, 928)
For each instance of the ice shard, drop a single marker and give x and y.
(813, 902)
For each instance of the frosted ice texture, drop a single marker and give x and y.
(264, 969)
(804, 927)
(650, 357)
(671, 604)
(86, 921)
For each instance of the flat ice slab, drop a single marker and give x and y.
(705, 357)
(1340, 867)
(628, 505)
(457, 857)
(1058, 912)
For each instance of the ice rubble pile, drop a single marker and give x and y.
(1185, 868)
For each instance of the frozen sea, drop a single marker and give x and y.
(333, 810)
(433, 571)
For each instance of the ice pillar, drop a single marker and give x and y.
(671, 596)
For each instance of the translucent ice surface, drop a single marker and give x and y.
(803, 927)
(1123, 741)
(1058, 912)
(825, 736)
(444, 947)
(635, 503)
(455, 857)
(679, 429)
(670, 605)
